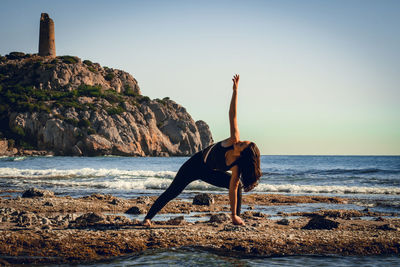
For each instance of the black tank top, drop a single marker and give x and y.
(214, 157)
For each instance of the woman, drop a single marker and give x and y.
(211, 165)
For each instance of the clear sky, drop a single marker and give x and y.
(317, 77)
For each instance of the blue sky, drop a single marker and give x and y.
(317, 77)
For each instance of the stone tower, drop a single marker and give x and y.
(47, 44)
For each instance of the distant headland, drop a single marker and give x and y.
(65, 106)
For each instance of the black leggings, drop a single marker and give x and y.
(193, 169)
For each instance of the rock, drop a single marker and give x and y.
(8, 211)
(76, 151)
(97, 145)
(319, 222)
(134, 210)
(34, 192)
(176, 221)
(115, 201)
(26, 219)
(120, 220)
(203, 199)
(70, 217)
(3, 147)
(144, 200)
(219, 218)
(45, 221)
(259, 214)
(283, 222)
(387, 227)
(238, 228)
(126, 124)
(205, 133)
(48, 203)
(60, 220)
(252, 214)
(88, 219)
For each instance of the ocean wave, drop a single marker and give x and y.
(151, 183)
(289, 188)
(116, 184)
(327, 172)
(356, 171)
(81, 173)
(7, 158)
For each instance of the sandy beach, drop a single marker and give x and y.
(44, 228)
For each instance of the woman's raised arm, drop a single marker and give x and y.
(235, 137)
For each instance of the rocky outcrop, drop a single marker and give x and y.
(205, 133)
(137, 131)
(83, 109)
(65, 73)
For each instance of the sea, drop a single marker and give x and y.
(371, 182)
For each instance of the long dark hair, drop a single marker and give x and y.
(249, 167)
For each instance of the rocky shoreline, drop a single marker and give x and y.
(39, 227)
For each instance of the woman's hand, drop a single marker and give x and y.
(235, 80)
(236, 220)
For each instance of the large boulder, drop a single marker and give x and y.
(203, 199)
(134, 210)
(320, 223)
(219, 218)
(97, 145)
(34, 192)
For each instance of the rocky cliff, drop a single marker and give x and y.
(72, 107)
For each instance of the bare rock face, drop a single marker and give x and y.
(3, 146)
(113, 118)
(135, 132)
(205, 133)
(96, 144)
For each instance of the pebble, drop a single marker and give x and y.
(219, 218)
(283, 222)
(134, 210)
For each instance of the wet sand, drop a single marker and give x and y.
(52, 229)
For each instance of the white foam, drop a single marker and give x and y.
(116, 179)
(115, 184)
(85, 172)
(289, 188)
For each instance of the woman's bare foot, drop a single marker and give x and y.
(146, 222)
(236, 220)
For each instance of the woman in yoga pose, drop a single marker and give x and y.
(211, 165)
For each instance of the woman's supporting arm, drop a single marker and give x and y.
(233, 187)
(235, 137)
